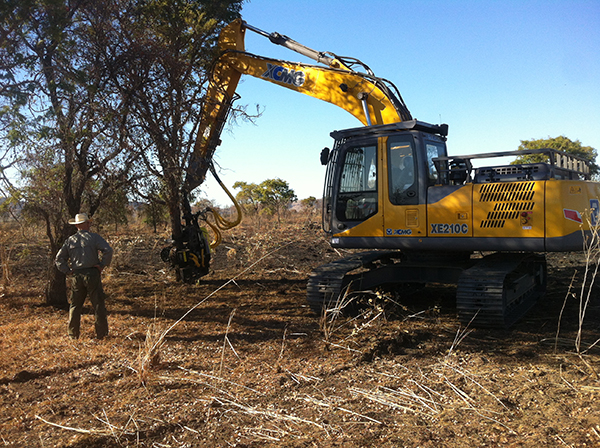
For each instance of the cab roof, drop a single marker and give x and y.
(376, 130)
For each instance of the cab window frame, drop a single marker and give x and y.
(358, 183)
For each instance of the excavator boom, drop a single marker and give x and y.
(370, 99)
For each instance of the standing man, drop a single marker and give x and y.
(82, 251)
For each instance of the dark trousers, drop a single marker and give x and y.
(84, 282)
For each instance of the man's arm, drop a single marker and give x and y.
(62, 259)
(106, 250)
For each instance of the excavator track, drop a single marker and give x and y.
(500, 289)
(495, 291)
(326, 283)
(367, 270)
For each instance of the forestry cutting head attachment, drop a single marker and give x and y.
(189, 254)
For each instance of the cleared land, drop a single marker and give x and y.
(239, 360)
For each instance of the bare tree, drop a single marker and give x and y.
(71, 122)
(164, 62)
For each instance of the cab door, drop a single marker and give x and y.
(404, 198)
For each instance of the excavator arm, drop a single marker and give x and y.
(370, 99)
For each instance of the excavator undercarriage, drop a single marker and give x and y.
(495, 290)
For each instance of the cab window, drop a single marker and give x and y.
(434, 150)
(357, 193)
(401, 170)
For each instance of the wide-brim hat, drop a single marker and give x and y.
(80, 218)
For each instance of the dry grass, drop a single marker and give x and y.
(592, 263)
(239, 360)
(149, 352)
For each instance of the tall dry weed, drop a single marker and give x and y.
(592, 263)
(584, 292)
(149, 352)
(361, 310)
(5, 261)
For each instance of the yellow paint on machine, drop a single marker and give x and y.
(452, 216)
(405, 220)
(571, 202)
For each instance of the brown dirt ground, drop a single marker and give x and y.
(244, 363)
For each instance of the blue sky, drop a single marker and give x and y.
(497, 72)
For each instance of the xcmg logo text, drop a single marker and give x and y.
(282, 74)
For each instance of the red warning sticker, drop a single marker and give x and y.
(573, 215)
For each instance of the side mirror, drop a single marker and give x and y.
(324, 156)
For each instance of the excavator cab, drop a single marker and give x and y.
(377, 181)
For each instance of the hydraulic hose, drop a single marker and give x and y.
(220, 222)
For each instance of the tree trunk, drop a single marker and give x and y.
(174, 206)
(175, 217)
(56, 288)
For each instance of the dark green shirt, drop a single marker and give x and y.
(83, 249)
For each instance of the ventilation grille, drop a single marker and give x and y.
(511, 199)
(507, 192)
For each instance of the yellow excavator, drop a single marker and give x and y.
(391, 189)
